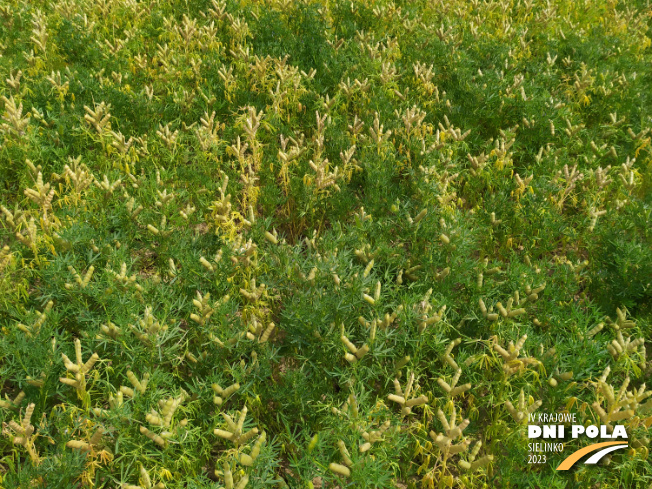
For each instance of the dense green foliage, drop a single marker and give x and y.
(313, 230)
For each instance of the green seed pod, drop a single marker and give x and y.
(402, 362)
(595, 330)
(420, 216)
(230, 390)
(313, 443)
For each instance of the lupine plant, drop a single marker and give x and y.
(323, 243)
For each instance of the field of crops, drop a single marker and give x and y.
(324, 244)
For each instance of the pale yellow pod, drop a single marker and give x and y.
(271, 238)
(153, 436)
(79, 445)
(516, 312)
(243, 482)
(417, 401)
(403, 362)
(223, 434)
(340, 469)
(246, 460)
(350, 358)
(228, 477)
(362, 351)
(70, 382)
(464, 465)
(87, 277)
(444, 385)
(482, 462)
(377, 291)
(370, 300)
(230, 390)
(368, 268)
(19, 440)
(621, 415)
(145, 478)
(595, 330)
(352, 348)
(420, 216)
(266, 334)
(395, 398)
(206, 264)
(483, 308)
(248, 435)
(255, 451)
(154, 419)
(460, 389)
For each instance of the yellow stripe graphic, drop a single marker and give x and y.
(575, 456)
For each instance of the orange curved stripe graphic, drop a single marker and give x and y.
(575, 456)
